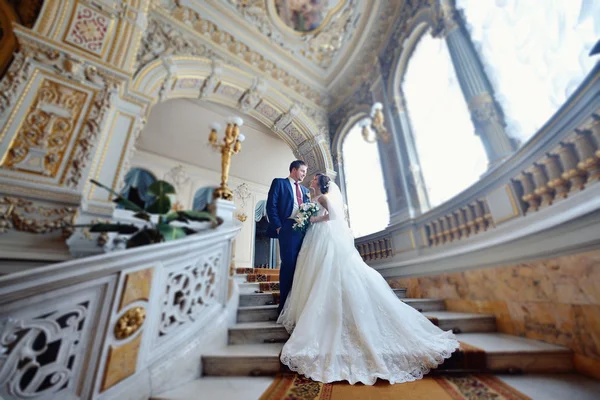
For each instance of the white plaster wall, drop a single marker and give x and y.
(179, 128)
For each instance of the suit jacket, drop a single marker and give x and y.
(280, 203)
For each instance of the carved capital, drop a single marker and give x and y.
(286, 118)
(484, 110)
(252, 96)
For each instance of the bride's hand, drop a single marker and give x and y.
(313, 220)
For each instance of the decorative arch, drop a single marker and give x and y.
(351, 119)
(349, 122)
(215, 81)
(426, 18)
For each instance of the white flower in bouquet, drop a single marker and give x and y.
(306, 210)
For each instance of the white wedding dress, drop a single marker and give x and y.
(345, 321)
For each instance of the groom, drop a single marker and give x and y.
(285, 197)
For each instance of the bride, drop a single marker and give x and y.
(346, 323)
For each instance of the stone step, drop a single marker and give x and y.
(267, 331)
(256, 299)
(243, 360)
(462, 322)
(257, 313)
(250, 295)
(504, 353)
(257, 332)
(258, 287)
(426, 304)
(269, 312)
(515, 354)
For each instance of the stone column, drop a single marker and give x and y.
(402, 189)
(486, 113)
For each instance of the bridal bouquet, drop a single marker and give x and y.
(306, 211)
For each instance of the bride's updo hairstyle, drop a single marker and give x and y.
(323, 183)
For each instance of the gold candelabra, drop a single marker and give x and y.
(373, 128)
(231, 144)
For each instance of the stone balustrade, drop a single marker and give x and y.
(120, 325)
(548, 184)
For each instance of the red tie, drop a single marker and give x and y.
(298, 195)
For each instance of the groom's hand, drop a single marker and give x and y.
(278, 229)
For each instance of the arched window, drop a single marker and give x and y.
(202, 198)
(137, 182)
(451, 156)
(535, 54)
(365, 191)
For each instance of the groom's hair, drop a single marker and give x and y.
(296, 164)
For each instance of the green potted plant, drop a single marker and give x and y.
(168, 225)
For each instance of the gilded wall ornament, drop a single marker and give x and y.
(42, 141)
(130, 322)
(25, 216)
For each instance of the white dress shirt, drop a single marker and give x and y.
(296, 207)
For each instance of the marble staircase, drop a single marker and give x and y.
(255, 341)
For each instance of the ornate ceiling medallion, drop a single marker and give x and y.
(303, 17)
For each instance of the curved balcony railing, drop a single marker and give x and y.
(127, 324)
(553, 174)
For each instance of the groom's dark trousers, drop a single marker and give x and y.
(290, 242)
(280, 204)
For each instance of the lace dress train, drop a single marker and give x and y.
(346, 323)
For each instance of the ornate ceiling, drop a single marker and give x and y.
(321, 49)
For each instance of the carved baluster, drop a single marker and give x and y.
(588, 160)
(568, 160)
(383, 245)
(541, 184)
(388, 247)
(479, 216)
(439, 232)
(433, 234)
(555, 181)
(453, 226)
(377, 246)
(487, 214)
(462, 224)
(445, 229)
(595, 128)
(361, 251)
(371, 254)
(471, 225)
(529, 196)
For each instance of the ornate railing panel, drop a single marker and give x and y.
(93, 328)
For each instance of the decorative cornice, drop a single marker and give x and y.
(320, 47)
(202, 32)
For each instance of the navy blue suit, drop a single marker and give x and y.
(280, 205)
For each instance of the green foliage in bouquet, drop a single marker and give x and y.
(156, 232)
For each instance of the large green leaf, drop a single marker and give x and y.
(170, 232)
(126, 203)
(199, 216)
(143, 215)
(161, 188)
(144, 237)
(161, 205)
(120, 228)
(175, 216)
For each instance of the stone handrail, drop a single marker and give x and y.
(127, 324)
(557, 165)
